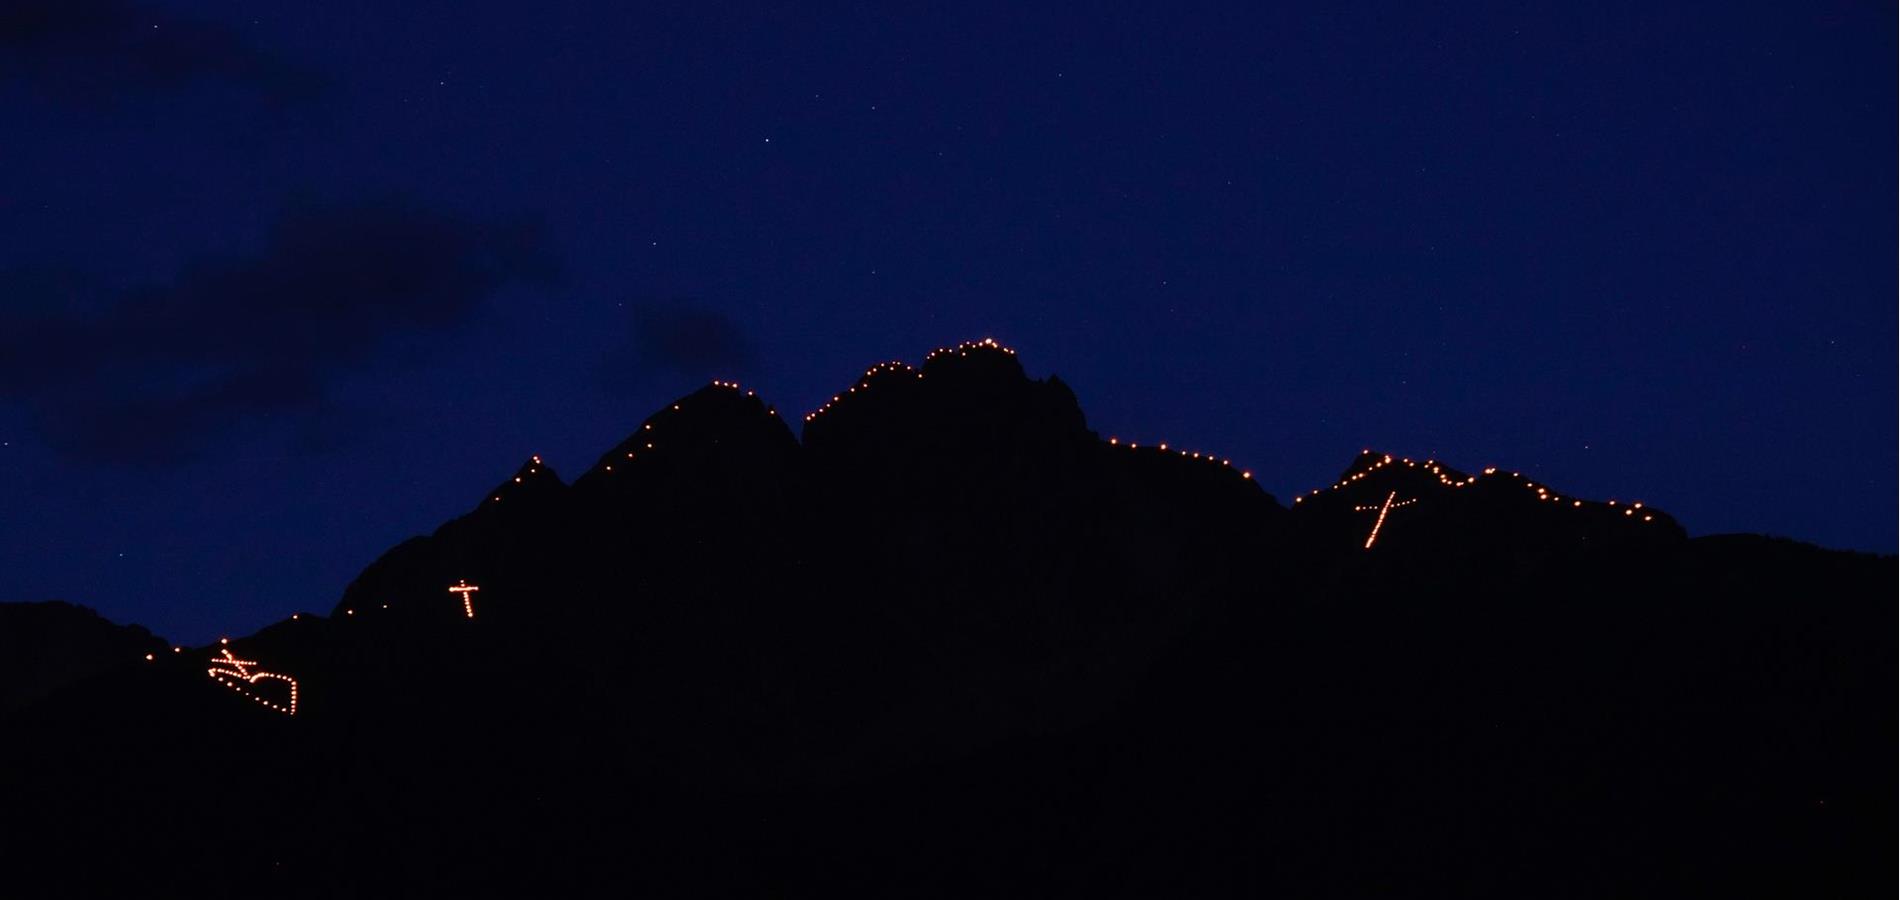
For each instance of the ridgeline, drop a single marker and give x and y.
(954, 643)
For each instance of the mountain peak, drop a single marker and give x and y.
(1504, 506)
(975, 393)
(532, 481)
(956, 605)
(714, 419)
(985, 351)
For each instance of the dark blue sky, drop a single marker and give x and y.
(282, 284)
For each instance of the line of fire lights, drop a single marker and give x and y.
(233, 667)
(728, 385)
(1432, 466)
(236, 674)
(896, 367)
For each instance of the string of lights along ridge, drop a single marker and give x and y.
(238, 674)
(534, 468)
(899, 368)
(1185, 454)
(1633, 511)
(895, 367)
(648, 426)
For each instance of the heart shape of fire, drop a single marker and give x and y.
(236, 674)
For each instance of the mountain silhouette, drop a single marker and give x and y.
(949, 641)
(48, 646)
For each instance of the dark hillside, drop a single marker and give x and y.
(952, 642)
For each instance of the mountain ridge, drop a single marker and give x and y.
(954, 631)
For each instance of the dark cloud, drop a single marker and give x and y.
(678, 339)
(156, 372)
(105, 50)
(701, 343)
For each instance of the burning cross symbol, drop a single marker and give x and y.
(465, 589)
(1391, 503)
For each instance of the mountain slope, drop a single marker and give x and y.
(953, 640)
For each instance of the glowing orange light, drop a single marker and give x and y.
(465, 589)
(235, 674)
(1383, 509)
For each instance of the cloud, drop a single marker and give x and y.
(698, 342)
(677, 339)
(100, 51)
(157, 372)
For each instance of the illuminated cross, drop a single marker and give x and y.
(1391, 503)
(464, 588)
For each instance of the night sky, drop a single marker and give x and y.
(283, 284)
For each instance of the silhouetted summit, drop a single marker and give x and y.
(1429, 507)
(953, 642)
(48, 646)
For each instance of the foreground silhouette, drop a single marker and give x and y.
(956, 644)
